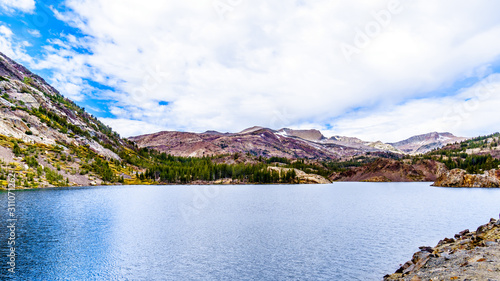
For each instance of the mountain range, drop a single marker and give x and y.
(48, 140)
(288, 143)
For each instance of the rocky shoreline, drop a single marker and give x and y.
(460, 178)
(469, 255)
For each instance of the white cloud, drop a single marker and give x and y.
(10, 6)
(11, 48)
(272, 63)
(473, 112)
(128, 128)
(34, 33)
(5, 31)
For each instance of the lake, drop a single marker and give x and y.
(340, 231)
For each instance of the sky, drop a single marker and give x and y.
(378, 70)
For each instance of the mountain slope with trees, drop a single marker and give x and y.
(48, 140)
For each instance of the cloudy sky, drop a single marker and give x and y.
(379, 70)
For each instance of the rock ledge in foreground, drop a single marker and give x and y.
(468, 256)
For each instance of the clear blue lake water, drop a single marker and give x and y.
(341, 231)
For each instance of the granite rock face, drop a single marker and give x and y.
(460, 178)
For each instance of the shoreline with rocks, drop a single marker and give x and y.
(469, 255)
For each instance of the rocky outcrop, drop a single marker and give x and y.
(303, 177)
(460, 178)
(390, 170)
(467, 256)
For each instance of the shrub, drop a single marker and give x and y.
(16, 149)
(31, 161)
(28, 80)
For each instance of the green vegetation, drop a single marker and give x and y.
(28, 80)
(181, 171)
(345, 165)
(31, 161)
(102, 168)
(277, 160)
(25, 90)
(6, 96)
(170, 169)
(473, 164)
(16, 149)
(56, 121)
(55, 178)
(456, 156)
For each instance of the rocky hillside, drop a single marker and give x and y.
(35, 112)
(48, 140)
(390, 170)
(483, 145)
(255, 141)
(289, 143)
(470, 255)
(487, 145)
(365, 146)
(259, 141)
(422, 144)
